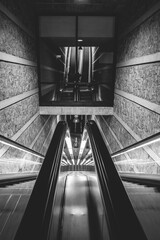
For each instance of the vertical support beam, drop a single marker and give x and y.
(80, 67)
(76, 68)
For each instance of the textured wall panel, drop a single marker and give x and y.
(141, 120)
(144, 40)
(114, 146)
(121, 133)
(39, 143)
(19, 10)
(15, 41)
(142, 81)
(16, 79)
(27, 137)
(16, 116)
(47, 142)
(146, 164)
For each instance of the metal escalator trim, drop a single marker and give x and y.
(148, 179)
(13, 179)
(122, 219)
(36, 219)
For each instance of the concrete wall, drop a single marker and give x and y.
(137, 93)
(19, 102)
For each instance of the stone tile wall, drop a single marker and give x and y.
(140, 80)
(137, 121)
(16, 79)
(15, 41)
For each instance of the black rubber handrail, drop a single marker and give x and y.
(141, 178)
(9, 179)
(122, 220)
(36, 220)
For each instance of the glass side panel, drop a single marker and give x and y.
(14, 160)
(144, 159)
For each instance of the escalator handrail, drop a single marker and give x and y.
(142, 143)
(14, 144)
(122, 220)
(36, 219)
(8, 179)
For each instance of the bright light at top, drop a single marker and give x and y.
(80, 40)
(83, 144)
(69, 143)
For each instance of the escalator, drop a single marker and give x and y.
(146, 203)
(13, 202)
(88, 205)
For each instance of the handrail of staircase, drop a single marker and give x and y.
(122, 220)
(35, 223)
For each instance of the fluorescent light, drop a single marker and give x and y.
(80, 40)
(69, 162)
(89, 160)
(69, 143)
(90, 163)
(78, 161)
(73, 161)
(63, 161)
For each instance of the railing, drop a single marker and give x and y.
(17, 162)
(140, 162)
(36, 220)
(121, 218)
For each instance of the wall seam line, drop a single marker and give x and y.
(19, 133)
(115, 137)
(153, 107)
(152, 154)
(6, 57)
(13, 100)
(15, 20)
(147, 59)
(35, 140)
(103, 135)
(141, 20)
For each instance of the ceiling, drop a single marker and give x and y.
(81, 7)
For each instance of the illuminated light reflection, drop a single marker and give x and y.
(69, 144)
(19, 160)
(90, 163)
(89, 160)
(78, 211)
(78, 161)
(134, 148)
(28, 172)
(63, 161)
(135, 161)
(73, 161)
(21, 149)
(83, 144)
(69, 162)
